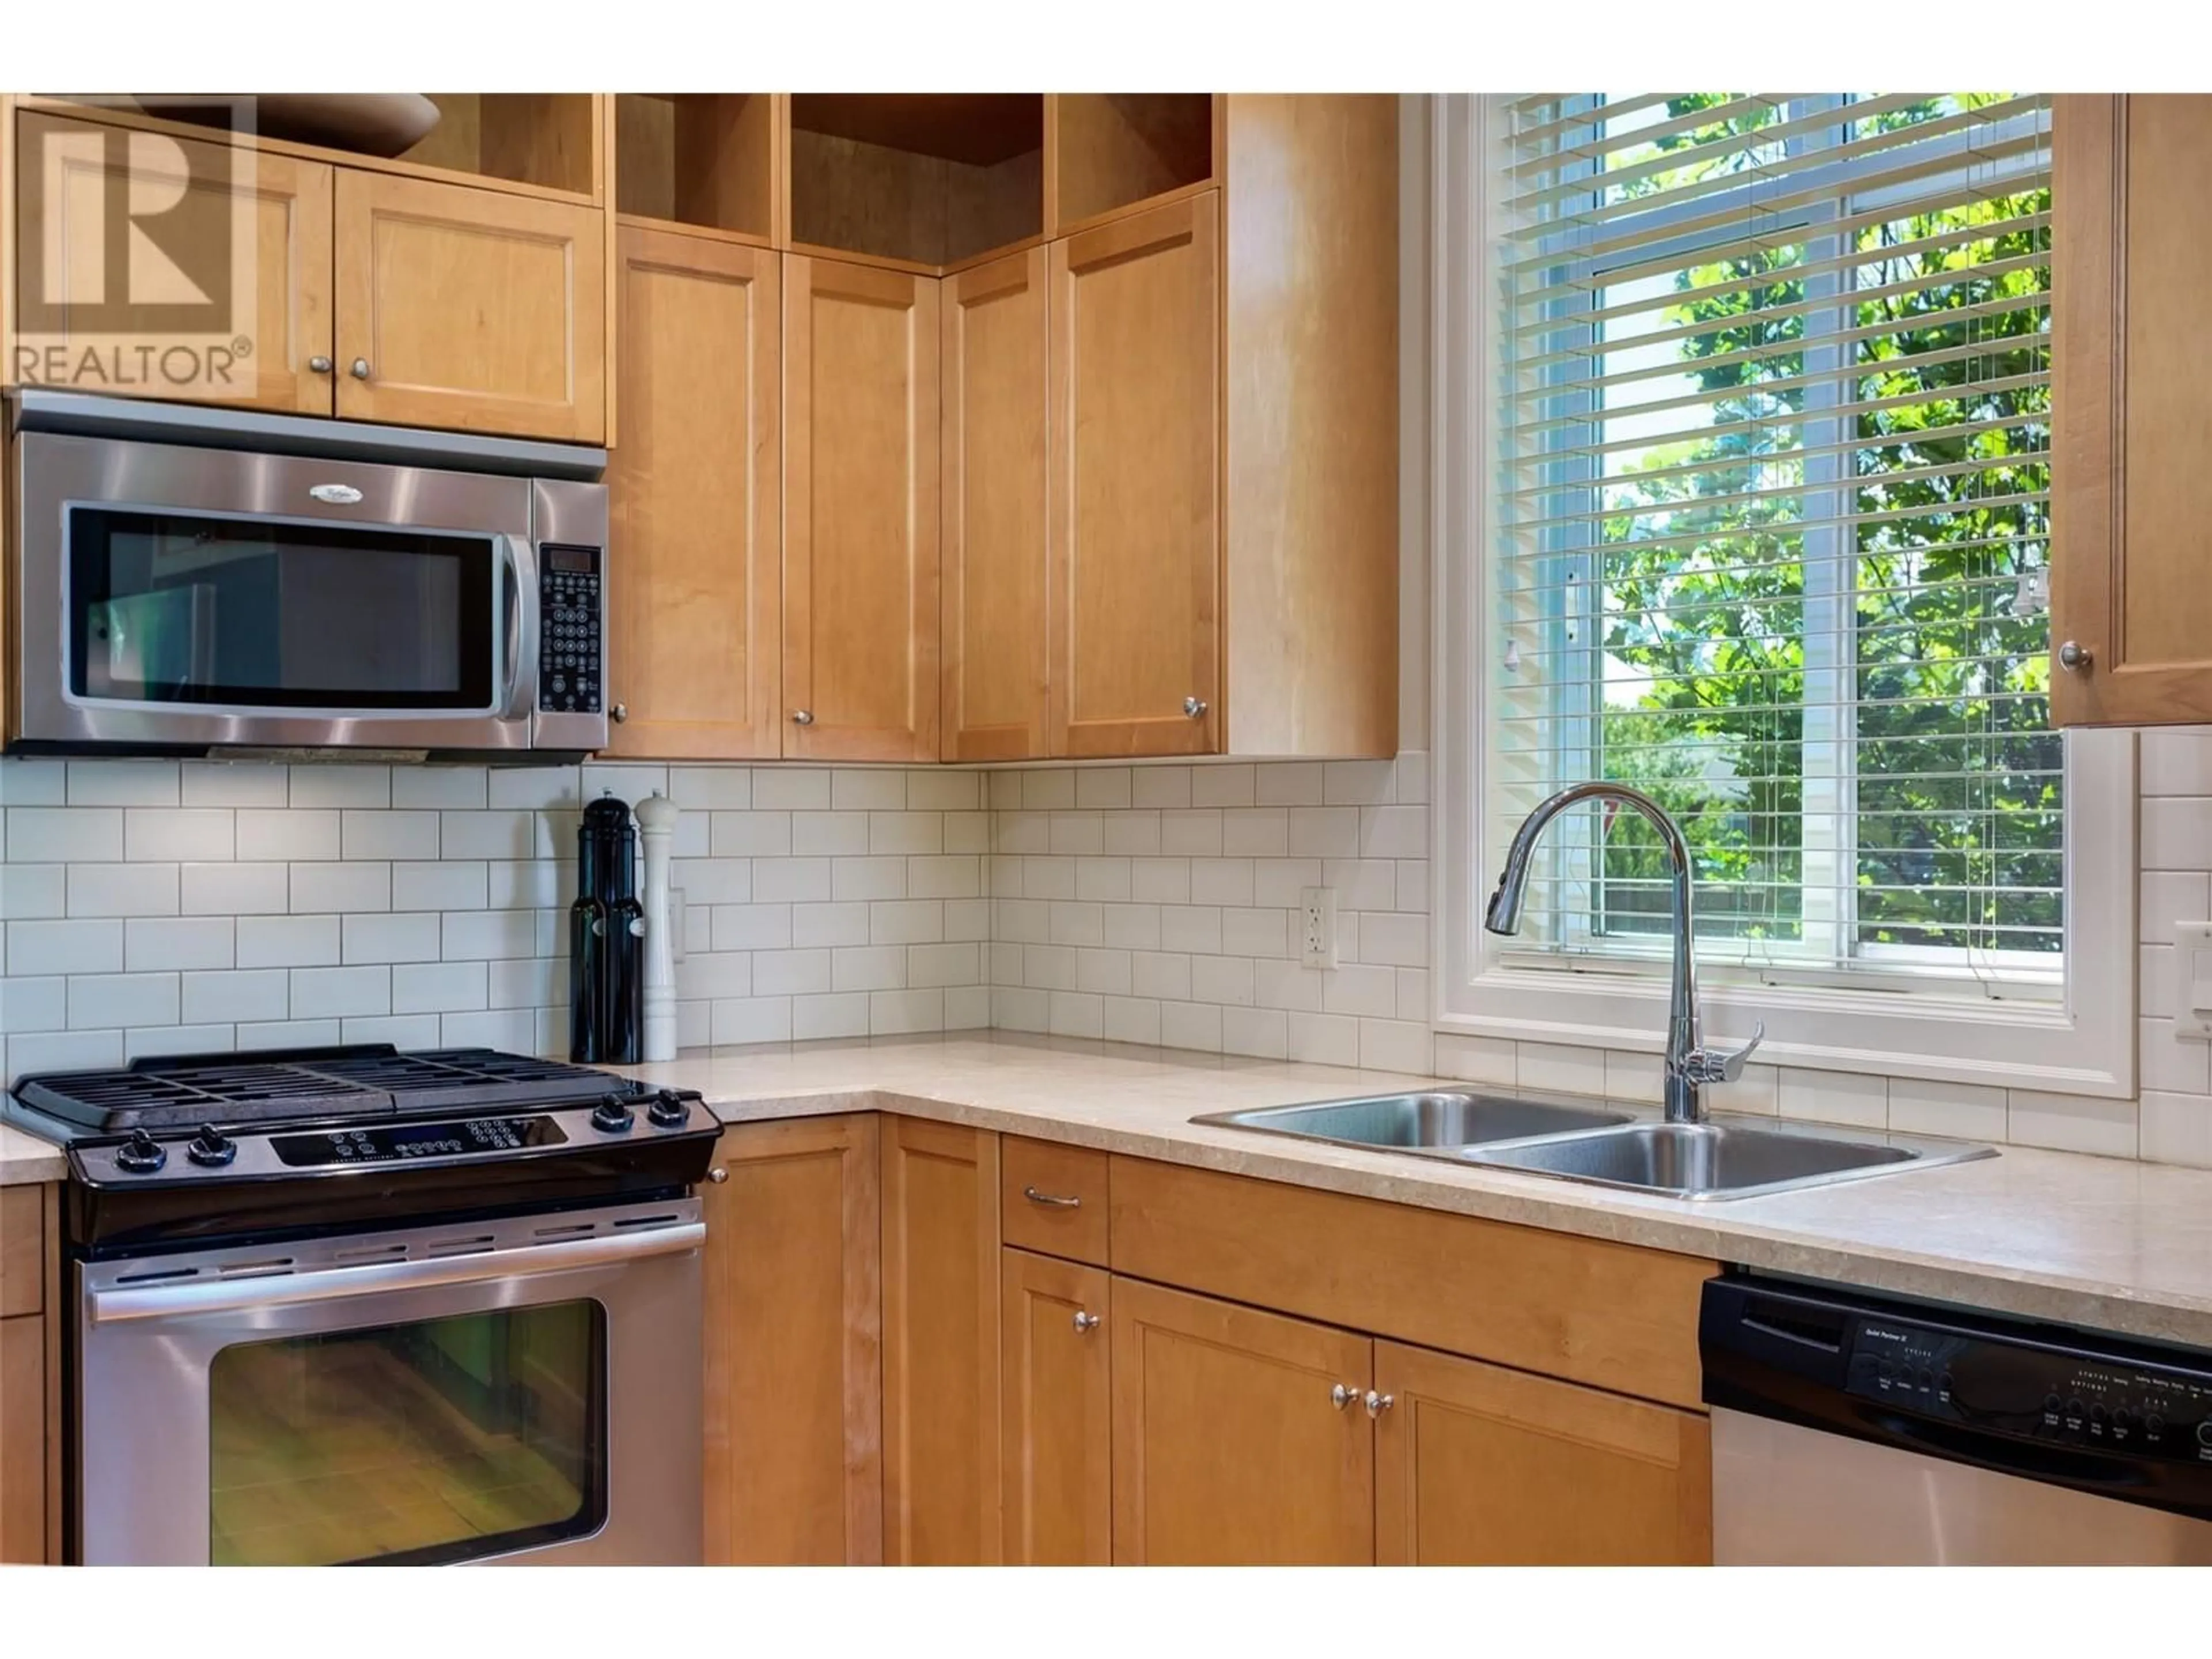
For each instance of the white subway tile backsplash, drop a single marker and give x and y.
(461, 788)
(169, 834)
(287, 941)
(533, 788)
(873, 877)
(475, 935)
(123, 889)
(98, 1000)
(152, 943)
(1962, 1111)
(388, 835)
(439, 987)
(513, 1029)
(1394, 1045)
(1256, 832)
(341, 786)
(336, 992)
(867, 791)
(406, 936)
(234, 783)
(459, 884)
(288, 1034)
(288, 835)
(1841, 1097)
(1557, 1068)
(830, 924)
(2071, 1123)
(28, 1004)
(1324, 1039)
(32, 890)
(75, 946)
(229, 997)
(1195, 833)
(868, 967)
(42, 834)
(1229, 785)
(790, 789)
(321, 888)
(178, 1040)
(123, 783)
(1158, 787)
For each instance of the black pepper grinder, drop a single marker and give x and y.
(606, 940)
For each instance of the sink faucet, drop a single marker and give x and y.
(1690, 1064)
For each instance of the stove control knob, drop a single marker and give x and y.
(142, 1156)
(211, 1148)
(612, 1116)
(669, 1110)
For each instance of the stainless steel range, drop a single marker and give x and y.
(356, 1305)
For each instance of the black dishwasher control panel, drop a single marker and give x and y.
(570, 627)
(2027, 1389)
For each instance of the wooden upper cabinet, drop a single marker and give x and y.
(861, 513)
(1479, 1466)
(793, 1472)
(470, 308)
(1232, 1446)
(1136, 576)
(993, 433)
(941, 1485)
(68, 262)
(694, 498)
(2130, 357)
(1055, 1413)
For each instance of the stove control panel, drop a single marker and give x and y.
(2035, 1393)
(568, 678)
(396, 1142)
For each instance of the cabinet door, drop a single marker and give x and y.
(1238, 1437)
(694, 491)
(1134, 583)
(860, 517)
(994, 524)
(2129, 360)
(793, 1470)
(1055, 1412)
(1479, 1466)
(66, 172)
(940, 1344)
(23, 1439)
(470, 308)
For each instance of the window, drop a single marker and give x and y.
(1755, 411)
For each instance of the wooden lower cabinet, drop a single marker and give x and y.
(1479, 1466)
(1239, 1439)
(793, 1444)
(30, 1516)
(1055, 1412)
(940, 1254)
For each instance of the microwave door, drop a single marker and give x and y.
(184, 613)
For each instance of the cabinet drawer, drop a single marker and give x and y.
(1052, 1199)
(1615, 1315)
(22, 1249)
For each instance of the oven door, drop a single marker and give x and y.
(199, 597)
(526, 1390)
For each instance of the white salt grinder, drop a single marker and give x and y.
(656, 822)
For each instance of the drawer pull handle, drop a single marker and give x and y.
(1342, 1396)
(1379, 1403)
(1084, 1321)
(1051, 1200)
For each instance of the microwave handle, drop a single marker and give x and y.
(520, 596)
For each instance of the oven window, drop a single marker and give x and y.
(178, 608)
(443, 1440)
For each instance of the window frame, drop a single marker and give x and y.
(2083, 1043)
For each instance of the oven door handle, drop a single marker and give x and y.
(520, 594)
(183, 1301)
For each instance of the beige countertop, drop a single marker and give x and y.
(25, 1159)
(2103, 1243)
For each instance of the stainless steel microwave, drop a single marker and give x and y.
(191, 580)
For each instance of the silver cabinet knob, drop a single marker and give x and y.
(1342, 1394)
(1052, 1200)
(1195, 707)
(718, 1174)
(802, 717)
(2073, 657)
(621, 713)
(1379, 1403)
(1085, 1322)
(319, 365)
(359, 369)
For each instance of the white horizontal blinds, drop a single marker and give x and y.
(1772, 507)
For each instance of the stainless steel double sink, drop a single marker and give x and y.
(1725, 1156)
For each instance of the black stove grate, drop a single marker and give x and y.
(368, 1080)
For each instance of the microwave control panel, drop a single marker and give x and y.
(569, 608)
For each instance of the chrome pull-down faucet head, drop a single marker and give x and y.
(1688, 1065)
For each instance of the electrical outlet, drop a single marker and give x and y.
(1317, 926)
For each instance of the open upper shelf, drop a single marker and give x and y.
(931, 179)
(544, 138)
(705, 159)
(1120, 147)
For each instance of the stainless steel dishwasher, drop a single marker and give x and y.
(1852, 1431)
